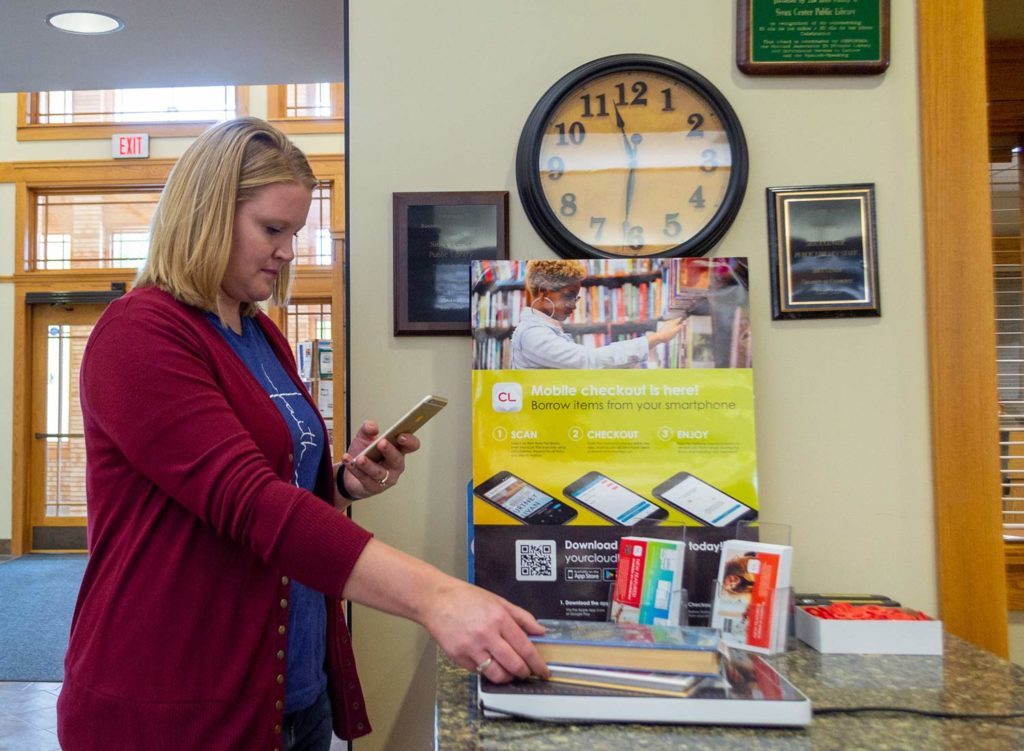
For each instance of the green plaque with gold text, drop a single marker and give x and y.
(812, 37)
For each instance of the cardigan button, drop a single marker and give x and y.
(291, 457)
(280, 678)
(359, 726)
(284, 603)
(277, 729)
(284, 580)
(278, 705)
(281, 630)
(355, 705)
(280, 654)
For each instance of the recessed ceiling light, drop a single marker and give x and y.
(84, 22)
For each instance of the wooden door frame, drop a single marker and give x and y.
(961, 326)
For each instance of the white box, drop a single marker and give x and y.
(869, 637)
(325, 398)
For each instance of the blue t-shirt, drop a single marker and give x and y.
(307, 617)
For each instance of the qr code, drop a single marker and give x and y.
(536, 561)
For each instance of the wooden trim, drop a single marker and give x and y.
(961, 329)
(1013, 553)
(84, 131)
(277, 106)
(21, 448)
(339, 331)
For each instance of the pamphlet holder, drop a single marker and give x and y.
(782, 604)
(678, 595)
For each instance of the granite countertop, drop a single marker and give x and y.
(965, 679)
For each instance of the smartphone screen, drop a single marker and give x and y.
(703, 502)
(613, 501)
(523, 501)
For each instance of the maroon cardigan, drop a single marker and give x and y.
(178, 638)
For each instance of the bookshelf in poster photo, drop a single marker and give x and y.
(649, 581)
(751, 604)
(622, 299)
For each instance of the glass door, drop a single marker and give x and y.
(57, 506)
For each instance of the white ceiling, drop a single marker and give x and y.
(172, 43)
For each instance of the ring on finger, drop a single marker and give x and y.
(384, 480)
(484, 665)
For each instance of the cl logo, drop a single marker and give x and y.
(507, 397)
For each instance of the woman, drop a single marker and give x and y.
(539, 341)
(211, 496)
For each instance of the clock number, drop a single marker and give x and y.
(696, 120)
(576, 133)
(568, 204)
(697, 199)
(634, 236)
(710, 160)
(602, 108)
(668, 101)
(556, 167)
(599, 221)
(672, 226)
(639, 88)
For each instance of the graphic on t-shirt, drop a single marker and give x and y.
(307, 438)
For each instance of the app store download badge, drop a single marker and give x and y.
(507, 397)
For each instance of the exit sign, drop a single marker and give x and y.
(130, 145)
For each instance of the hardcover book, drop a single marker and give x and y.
(629, 646)
(647, 682)
(749, 691)
(751, 599)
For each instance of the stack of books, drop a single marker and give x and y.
(621, 672)
(628, 656)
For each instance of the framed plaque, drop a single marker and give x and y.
(812, 37)
(823, 259)
(436, 235)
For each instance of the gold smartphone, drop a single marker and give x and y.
(410, 422)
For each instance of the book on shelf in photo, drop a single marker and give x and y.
(643, 681)
(748, 691)
(629, 646)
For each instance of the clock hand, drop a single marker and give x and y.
(621, 125)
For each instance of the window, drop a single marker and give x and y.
(307, 107)
(308, 320)
(184, 110)
(313, 246)
(90, 230)
(64, 442)
(1008, 261)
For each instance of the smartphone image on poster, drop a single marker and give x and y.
(614, 502)
(522, 501)
(705, 503)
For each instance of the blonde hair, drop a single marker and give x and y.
(192, 228)
(551, 275)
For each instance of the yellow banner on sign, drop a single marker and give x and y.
(598, 447)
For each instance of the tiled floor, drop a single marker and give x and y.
(28, 716)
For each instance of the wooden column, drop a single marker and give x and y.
(961, 329)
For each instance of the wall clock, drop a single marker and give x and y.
(632, 155)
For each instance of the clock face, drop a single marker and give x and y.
(632, 156)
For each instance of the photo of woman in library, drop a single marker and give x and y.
(540, 341)
(621, 313)
(211, 614)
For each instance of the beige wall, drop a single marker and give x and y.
(438, 94)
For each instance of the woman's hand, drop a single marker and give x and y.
(666, 332)
(364, 477)
(476, 628)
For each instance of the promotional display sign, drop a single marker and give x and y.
(610, 398)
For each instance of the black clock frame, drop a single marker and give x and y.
(531, 192)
